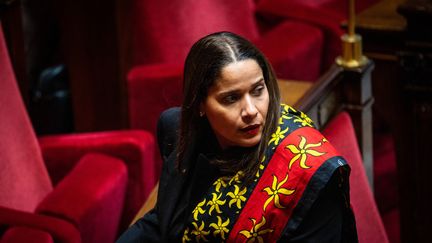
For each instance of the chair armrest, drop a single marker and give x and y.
(90, 197)
(60, 230)
(136, 148)
(25, 234)
(145, 82)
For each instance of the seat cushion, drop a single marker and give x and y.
(153, 89)
(164, 30)
(370, 228)
(90, 197)
(26, 234)
(294, 49)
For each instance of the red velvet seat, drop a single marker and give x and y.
(325, 14)
(164, 31)
(72, 188)
(340, 133)
(26, 234)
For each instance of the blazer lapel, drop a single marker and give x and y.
(169, 193)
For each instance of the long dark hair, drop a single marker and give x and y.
(204, 63)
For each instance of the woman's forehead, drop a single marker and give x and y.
(240, 73)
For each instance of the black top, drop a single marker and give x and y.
(324, 222)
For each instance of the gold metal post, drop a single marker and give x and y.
(352, 55)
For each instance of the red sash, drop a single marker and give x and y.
(296, 156)
(282, 185)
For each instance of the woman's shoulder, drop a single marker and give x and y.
(170, 115)
(169, 122)
(167, 130)
(295, 117)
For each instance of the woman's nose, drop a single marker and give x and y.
(249, 109)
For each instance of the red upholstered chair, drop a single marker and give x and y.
(164, 31)
(370, 228)
(325, 14)
(81, 187)
(26, 234)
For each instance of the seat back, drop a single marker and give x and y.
(340, 133)
(24, 180)
(164, 30)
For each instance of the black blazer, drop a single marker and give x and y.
(322, 224)
(157, 225)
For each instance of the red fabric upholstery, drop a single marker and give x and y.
(385, 182)
(340, 133)
(60, 230)
(153, 89)
(385, 176)
(91, 191)
(164, 31)
(91, 196)
(23, 178)
(392, 224)
(312, 16)
(25, 234)
(325, 14)
(136, 148)
(294, 49)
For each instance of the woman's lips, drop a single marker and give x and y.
(252, 129)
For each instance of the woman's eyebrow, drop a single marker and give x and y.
(229, 92)
(260, 80)
(234, 91)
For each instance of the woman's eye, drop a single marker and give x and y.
(230, 99)
(258, 90)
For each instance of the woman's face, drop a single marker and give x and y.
(237, 104)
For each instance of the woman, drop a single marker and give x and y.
(240, 167)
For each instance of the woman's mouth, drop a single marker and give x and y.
(252, 129)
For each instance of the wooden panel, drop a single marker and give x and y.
(292, 90)
(344, 89)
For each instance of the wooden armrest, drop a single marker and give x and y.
(293, 90)
(148, 205)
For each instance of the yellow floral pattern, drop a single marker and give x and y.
(236, 179)
(185, 237)
(199, 232)
(198, 209)
(220, 183)
(255, 234)
(237, 196)
(284, 114)
(278, 135)
(220, 228)
(275, 190)
(213, 217)
(302, 151)
(261, 168)
(304, 120)
(215, 203)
